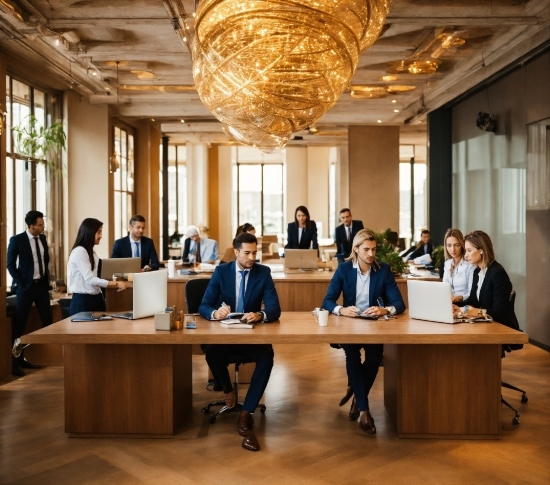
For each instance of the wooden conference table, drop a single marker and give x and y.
(125, 378)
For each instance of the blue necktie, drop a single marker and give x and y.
(242, 289)
(137, 250)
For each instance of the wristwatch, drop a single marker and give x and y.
(466, 308)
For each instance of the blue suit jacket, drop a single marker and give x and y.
(308, 236)
(22, 273)
(343, 247)
(123, 249)
(260, 287)
(382, 285)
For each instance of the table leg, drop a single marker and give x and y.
(443, 391)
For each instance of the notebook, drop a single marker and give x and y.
(89, 317)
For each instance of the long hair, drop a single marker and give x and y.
(457, 233)
(302, 208)
(245, 228)
(362, 236)
(481, 240)
(86, 237)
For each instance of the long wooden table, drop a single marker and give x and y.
(125, 378)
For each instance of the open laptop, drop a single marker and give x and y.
(300, 260)
(150, 295)
(430, 300)
(110, 266)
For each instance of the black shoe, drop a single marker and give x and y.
(27, 365)
(17, 371)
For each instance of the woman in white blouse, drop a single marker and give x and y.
(82, 269)
(457, 271)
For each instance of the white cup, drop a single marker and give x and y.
(321, 317)
(171, 268)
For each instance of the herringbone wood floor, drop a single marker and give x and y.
(305, 437)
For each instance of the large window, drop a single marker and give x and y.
(177, 191)
(260, 196)
(412, 180)
(123, 181)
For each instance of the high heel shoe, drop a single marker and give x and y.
(354, 410)
(347, 397)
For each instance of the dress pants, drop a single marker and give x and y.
(361, 376)
(82, 302)
(219, 356)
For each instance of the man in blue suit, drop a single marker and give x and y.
(345, 233)
(369, 289)
(241, 286)
(28, 261)
(136, 245)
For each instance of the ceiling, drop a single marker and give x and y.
(77, 45)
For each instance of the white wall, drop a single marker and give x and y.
(318, 190)
(296, 183)
(87, 162)
(225, 197)
(197, 184)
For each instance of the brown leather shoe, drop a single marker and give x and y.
(250, 442)
(367, 423)
(347, 397)
(230, 399)
(354, 411)
(245, 423)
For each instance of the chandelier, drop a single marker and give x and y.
(269, 68)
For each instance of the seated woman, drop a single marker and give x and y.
(491, 286)
(302, 233)
(364, 282)
(246, 227)
(457, 271)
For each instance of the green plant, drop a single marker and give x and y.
(386, 252)
(40, 144)
(438, 257)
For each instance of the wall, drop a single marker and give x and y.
(197, 184)
(489, 184)
(87, 161)
(226, 206)
(318, 187)
(374, 175)
(296, 182)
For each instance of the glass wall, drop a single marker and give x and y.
(412, 214)
(123, 181)
(177, 192)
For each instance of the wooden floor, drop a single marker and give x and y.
(305, 437)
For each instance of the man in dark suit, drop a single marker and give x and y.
(28, 261)
(369, 289)
(241, 286)
(136, 245)
(424, 247)
(344, 234)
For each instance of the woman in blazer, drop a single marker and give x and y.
(491, 286)
(302, 233)
(457, 271)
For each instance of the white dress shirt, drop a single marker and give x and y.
(461, 278)
(81, 277)
(36, 274)
(300, 230)
(482, 273)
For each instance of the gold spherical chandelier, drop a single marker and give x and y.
(269, 68)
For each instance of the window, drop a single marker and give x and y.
(177, 189)
(412, 212)
(260, 191)
(123, 181)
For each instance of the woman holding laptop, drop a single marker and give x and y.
(457, 271)
(82, 270)
(302, 233)
(491, 286)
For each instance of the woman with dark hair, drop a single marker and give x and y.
(82, 270)
(246, 227)
(491, 286)
(302, 233)
(457, 271)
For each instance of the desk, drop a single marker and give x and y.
(124, 378)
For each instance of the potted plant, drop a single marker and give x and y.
(386, 252)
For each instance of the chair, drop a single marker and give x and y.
(510, 348)
(194, 292)
(65, 304)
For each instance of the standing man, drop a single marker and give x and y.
(28, 261)
(197, 249)
(241, 286)
(136, 245)
(344, 234)
(369, 289)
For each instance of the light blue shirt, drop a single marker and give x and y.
(134, 244)
(461, 278)
(361, 291)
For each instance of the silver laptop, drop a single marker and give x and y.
(300, 260)
(110, 266)
(150, 295)
(430, 300)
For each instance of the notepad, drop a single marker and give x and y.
(235, 323)
(90, 317)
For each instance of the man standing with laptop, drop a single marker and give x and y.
(136, 245)
(241, 286)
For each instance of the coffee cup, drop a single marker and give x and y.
(321, 317)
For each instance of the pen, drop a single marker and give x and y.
(381, 305)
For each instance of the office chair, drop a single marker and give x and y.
(194, 292)
(510, 348)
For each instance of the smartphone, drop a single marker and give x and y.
(191, 325)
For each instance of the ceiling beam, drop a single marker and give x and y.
(426, 21)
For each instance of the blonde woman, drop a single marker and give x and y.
(457, 271)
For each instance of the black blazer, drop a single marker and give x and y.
(343, 247)
(494, 295)
(308, 236)
(148, 253)
(420, 251)
(22, 273)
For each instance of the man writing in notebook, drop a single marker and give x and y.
(242, 286)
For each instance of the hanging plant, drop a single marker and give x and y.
(40, 144)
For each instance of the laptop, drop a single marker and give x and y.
(110, 266)
(300, 260)
(430, 300)
(150, 295)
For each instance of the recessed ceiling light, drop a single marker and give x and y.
(152, 119)
(396, 111)
(394, 101)
(379, 121)
(182, 121)
(94, 73)
(144, 74)
(389, 78)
